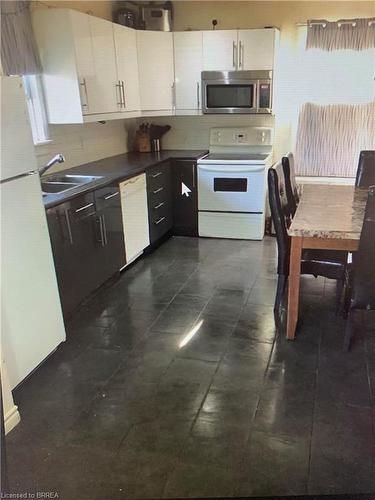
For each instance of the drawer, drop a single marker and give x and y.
(160, 221)
(159, 195)
(82, 206)
(107, 196)
(158, 177)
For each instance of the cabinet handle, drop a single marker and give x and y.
(159, 221)
(111, 195)
(83, 84)
(243, 55)
(102, 242)
(159, 205)
(67, 220)
(123, 92)
(173, 95)
(198, 96)
(156, 175)
(118, 85)
(240, 57)
(193, 174)
(104, 230)
(158, 190)
(85, 207)
(234, 54)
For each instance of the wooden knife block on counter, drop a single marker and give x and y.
(142, 142)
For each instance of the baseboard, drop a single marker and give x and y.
(11, 419)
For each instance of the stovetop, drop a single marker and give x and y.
(250, 158)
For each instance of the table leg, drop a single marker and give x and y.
(294, 282)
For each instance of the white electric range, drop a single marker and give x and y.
(232, 183)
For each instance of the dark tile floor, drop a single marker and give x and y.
(131, 406)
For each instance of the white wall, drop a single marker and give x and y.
(85, 143)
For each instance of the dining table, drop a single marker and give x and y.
(328, 217)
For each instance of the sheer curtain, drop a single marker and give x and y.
(335, 96)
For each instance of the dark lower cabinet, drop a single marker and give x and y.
(185, 204)
(87, 243)
(159, 201)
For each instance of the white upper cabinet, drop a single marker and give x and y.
(127, 67)
(220, 50)
(256, 49)
(188, 60)
(106, 97)
(156, 70)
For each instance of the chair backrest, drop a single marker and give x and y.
(366, 169)
(279, 206)
(364, 259)
(290, 182)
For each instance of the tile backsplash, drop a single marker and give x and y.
(87, 142)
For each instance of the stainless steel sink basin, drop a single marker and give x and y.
(63, 182)
(57, 187)
(76, 179)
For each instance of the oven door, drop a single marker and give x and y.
(229, 96)
(231, 188)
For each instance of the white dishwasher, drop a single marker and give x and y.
(134, 216)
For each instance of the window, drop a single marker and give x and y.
(36, 107)
(335, 99)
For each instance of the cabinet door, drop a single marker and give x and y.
(185, 208)
(84, 58)
(127, 66)
(256, 49)
(134, 216)
(105, 97)
(188, 61)
(156, 71)
(220, 50)
(111, 233)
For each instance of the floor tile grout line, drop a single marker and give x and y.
(313, 412)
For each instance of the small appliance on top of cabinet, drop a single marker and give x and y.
(232, 183)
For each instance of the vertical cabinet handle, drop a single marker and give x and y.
(173, 95)
(123, 92)
(83, 84)
(240, 63)
(234, 54)
(67, 220)
(120, 102)
(198, 96)
(104, 230)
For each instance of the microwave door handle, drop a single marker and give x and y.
(257, 95)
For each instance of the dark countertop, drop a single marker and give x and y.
(115, 169)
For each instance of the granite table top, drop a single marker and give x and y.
(327, 211)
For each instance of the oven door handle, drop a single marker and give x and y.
(225, 169)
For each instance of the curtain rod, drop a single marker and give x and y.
(339, 23)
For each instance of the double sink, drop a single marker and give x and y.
(61, 183)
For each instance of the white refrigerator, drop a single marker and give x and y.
(31, 319)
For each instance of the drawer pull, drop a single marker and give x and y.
(157, 175)
(159, 221)
(85, 207)
(159, 205)
(158, 190)
(111, 195)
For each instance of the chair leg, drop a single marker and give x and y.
(348, 332)
(339, 289)
(347, 299)
(281, 282)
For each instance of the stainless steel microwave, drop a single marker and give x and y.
(236, 92)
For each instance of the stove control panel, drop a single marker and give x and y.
(241, 136)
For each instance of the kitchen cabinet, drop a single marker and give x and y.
(256, 49)
(188, 59)
(134, 216)
(106, 96)
(127, 66)
(110, 231)
(156, 70)
(237, 50)
(185, 208)
(159, 198)
(220, 50)
(87, 242)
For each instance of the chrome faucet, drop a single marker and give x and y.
(59, 158)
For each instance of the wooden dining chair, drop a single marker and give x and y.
(291, 186)
(366, 169)
(328, 263)
(362, 278)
